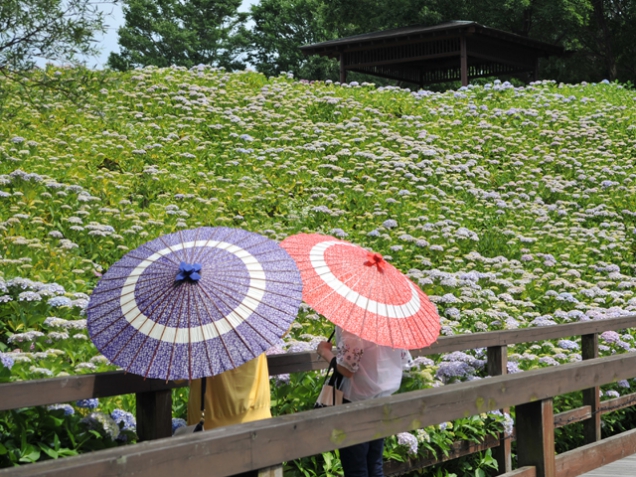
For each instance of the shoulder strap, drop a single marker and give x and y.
(199, 426)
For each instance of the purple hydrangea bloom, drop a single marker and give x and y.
(448, 370)
(422, 361)
(409, 440)
(281, 379)
(550, 361)
(513, 367)
(6, 360)
(610, 336)
(611, 393)
(624, 345)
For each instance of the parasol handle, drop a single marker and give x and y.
(331, 335)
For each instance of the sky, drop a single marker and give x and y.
(114, 20)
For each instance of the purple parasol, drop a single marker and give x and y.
(194, 303)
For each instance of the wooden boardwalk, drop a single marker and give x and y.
(621, 468)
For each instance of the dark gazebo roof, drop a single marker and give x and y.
(445, 52)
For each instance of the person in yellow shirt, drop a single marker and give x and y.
(239, 395)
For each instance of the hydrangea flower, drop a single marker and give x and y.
(6, 360)
(90, 403)
(59, 301)
(126, 422)
(409, 440)
(102, 423)
(67, 408)
(389, 224)
(177, 422)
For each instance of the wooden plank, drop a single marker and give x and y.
(458, 449)
(591, 396)
(535, 436)
(527, 471)
(497, 362)
(343, 71)
(590, 456)
(154, 415)
(408, 59)
(617, 403)
(623, 467)
(294, 363)
(463, 60)
(574, 415)
(261, 444)
(40, 392)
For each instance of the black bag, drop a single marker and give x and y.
(330, 394)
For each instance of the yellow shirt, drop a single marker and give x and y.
(235, 396)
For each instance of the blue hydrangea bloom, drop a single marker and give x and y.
(87, 403)
(67, 408)
(126, 420)
(177, 422)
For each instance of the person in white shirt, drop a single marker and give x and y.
(371, 371)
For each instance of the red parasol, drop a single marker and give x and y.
(362, 293)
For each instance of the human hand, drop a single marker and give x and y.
(324, 350)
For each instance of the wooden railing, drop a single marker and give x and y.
(265, 443)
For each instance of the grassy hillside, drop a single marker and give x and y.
(510, 207)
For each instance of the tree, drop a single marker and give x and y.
(184, 33)
(56, 30)
(280, 27)
(598, 34)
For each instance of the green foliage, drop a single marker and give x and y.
(57, 30)
(598, 35)
(280, 27)
(170, 32)
(36, 434)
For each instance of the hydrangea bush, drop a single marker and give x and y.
(509, 206)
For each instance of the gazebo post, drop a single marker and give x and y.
(343, 72)
(463, 60)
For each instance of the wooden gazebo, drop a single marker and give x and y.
(458, 50)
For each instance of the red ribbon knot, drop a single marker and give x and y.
(375, 259)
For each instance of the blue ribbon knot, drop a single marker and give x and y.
(189, 272)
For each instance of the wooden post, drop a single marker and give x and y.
(535, 437)
(154, 415)
(498, 365)
(591, 396)
(463, 60)
(343, 71)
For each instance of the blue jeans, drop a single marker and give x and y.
(363, 460)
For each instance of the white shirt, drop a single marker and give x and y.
(377, 370)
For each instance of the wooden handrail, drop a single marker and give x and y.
(56, 390)
(448, 344)
(264, 443)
